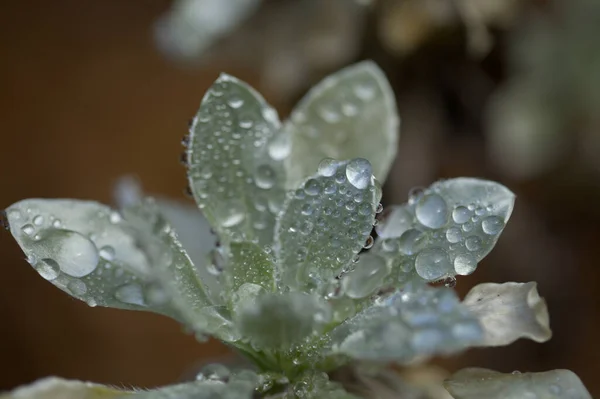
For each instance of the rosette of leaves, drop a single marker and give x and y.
(292, 277)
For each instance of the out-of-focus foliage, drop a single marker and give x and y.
(548, 108)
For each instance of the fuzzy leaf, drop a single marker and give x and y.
(477, 383)
(350, 114)
(414, 322)
(509, 311)
(250, 264)
(326, 222)
(201, 390)
(176, 274)
(280, 320)
(233, 179)
(315, 385)
(446, 229)
(128, 260)
(58, 388)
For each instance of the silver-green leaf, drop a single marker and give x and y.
(326, 222)
(477, 383)
(232, 177)
(408, 324)
(248, 263)
(350, 114)
(509, 311)
(447, 229)
(58, 388)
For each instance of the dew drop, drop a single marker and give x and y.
(366, 277)
(28, 229)
(75, 254)
(107, 252)
(453, 235)
(359, 173)
(461, 214)
(56, 223)
(492, 225)
(432, 211)
(235, 102)
(432, 264)
(467, 227)
(48, 269)
(390, 245)
(131, 294)
(115, 217)
(77, 287)
(473, 243)
(411, 241)
(279, 148)
(38, 220)
(265, 177)
(232, 215)
(312, 187)
(214, 372)
(369, 243)
(465, 264)
(327, 167)
(379, 208)
(364, 91)
(415, 194)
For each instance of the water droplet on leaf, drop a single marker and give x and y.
(359, 173)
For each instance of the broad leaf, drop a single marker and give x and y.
(58, 388)
(408, 324)
(129, 260)
(509, 311)
(350, 114)
(446, 229)
(477, 383)
(281, 320)
(233, 179)
(326, 222)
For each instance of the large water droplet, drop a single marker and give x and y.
(280, 147)
(432, 211)
(130, 293)
(48, 269)
(235, 102)
(38, 220)
(433, 263)
(328, 167)
(473, 243)
(233, 214)
(366, 277)
(492, 225)
(461, 214)
(465, 264)
(359, 173)
(453, 235)
(75, 254)
(214, 372)
(28, 229)
(265, 177)
(411, 241)
(107, 252)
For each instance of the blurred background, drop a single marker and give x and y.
(501, 89)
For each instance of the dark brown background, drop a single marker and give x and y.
(86, 98)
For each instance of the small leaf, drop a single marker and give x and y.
(509, 311)
(197, 239)
(281, 320)
(250, 264)
(176, 274)
(58, 388)
(477, 383)
(233, 179)
(350, 114)
(326, 222)
(446, 229)
(407, 324)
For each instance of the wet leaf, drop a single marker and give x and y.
(445, 230)
(509, 311)
(233, 179)
(350, 114)
(476, 383)
(417, 321)
(250, 264)
(326, 222)
(58, 388)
